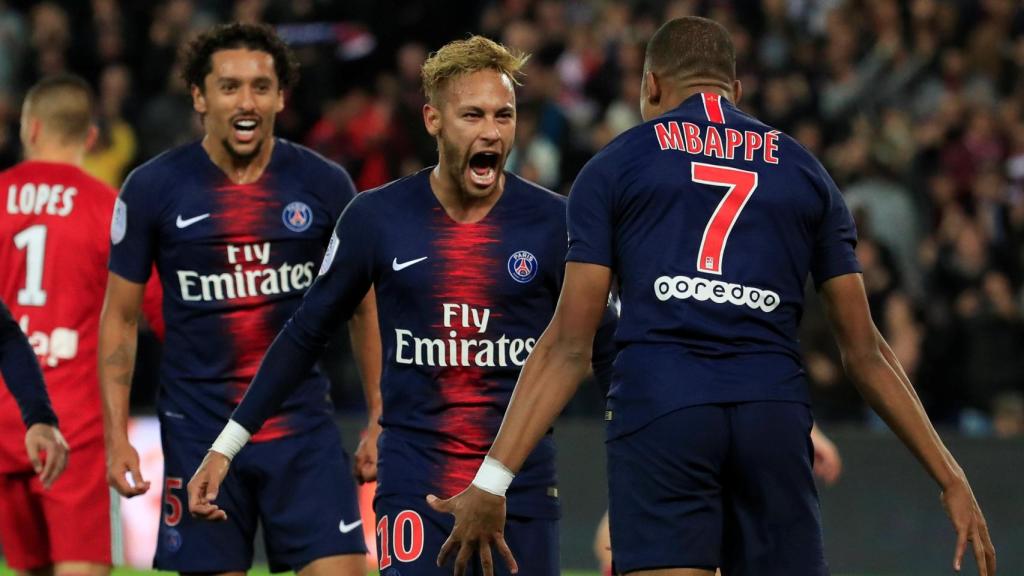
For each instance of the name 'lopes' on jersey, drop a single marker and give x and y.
(711, 221)
(234, 261)
(53, 280)
(461, 306)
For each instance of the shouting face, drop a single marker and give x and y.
(474, 122)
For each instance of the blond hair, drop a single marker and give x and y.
(466, 56)
(64, 105)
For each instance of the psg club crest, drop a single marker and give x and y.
(522, 266)
(297, 216)
(172, 540)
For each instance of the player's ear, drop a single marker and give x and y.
(91, 137)
(198, 99)
(654, 89)
(280, 101)
(737, 91)
(35, 130)
(432, 119)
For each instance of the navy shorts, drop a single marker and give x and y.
(718, 485)
(410, 534)
(299, 488)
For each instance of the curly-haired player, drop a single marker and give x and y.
(237, 224)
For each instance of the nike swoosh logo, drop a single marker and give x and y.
(346, 528)
(396, 266)
(183, 223)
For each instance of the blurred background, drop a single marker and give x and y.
(915, 107)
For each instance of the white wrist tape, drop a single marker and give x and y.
(493, 477)
(232, 438)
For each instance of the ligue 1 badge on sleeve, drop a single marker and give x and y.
(297, 216)
(119, 223)
(332, 248)
(522, 266)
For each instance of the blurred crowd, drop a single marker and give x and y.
(916, 108)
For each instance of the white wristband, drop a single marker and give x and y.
(232, 438)
(493, 477)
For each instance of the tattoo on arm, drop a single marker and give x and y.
(123, 358)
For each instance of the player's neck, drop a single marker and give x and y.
(681, 93)
(239, 170)
(461, 206)
(73, 155)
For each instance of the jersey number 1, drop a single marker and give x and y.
(741, 185)
(33, 241)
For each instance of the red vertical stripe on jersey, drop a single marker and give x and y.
(469, 274)
(713, 108)
(243, 214)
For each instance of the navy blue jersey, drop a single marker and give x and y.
(21, 373)
(711, 222)
(460, 307)
(234, 261)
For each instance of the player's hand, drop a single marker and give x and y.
(828, 465)
(365, 465)
(204, 486)
(969, 522)
(44, 438)
(123, 459)
(479, 525)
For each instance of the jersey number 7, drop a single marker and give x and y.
(741, 185)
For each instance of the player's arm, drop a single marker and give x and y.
(551, 375)
(24, 379)
(605, 351)
(119, 330)
(331, 300)
(364, 333)
(874, 369)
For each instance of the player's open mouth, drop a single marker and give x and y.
(245, 129)
(483, 168)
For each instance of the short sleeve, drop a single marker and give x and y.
(335, 185)
(590, 217)
(836, 241)
(132, 229)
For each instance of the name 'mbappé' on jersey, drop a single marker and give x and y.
(711, 222)
(234, 261)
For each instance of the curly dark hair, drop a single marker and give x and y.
(198, 54)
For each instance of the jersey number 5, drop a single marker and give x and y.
(33, 241)
(741, 185)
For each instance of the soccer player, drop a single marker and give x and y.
(710, 221)
(237, 224)
(466, 261)
(54, 266)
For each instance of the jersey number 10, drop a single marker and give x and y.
(741, 185)
(33, 241)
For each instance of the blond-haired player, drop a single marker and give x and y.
(466, 261)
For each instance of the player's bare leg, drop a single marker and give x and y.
(81, 569)
(342, 565)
